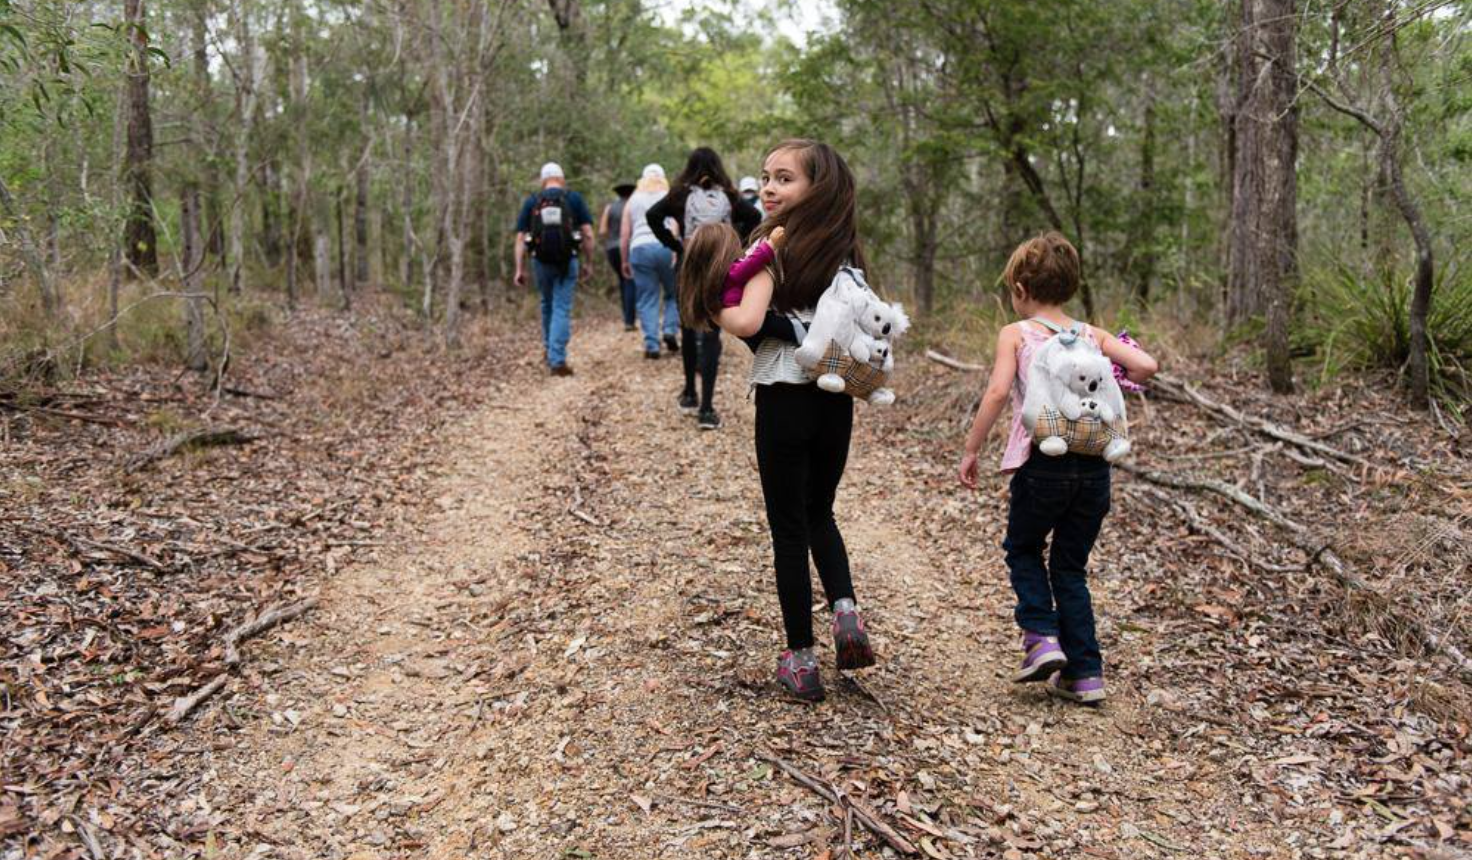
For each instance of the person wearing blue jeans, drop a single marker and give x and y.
(654, 278)
(1069, 497)
(557, 286)
(555, 226)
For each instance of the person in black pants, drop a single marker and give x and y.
(608, 231)
(702, 194)
(802, 432)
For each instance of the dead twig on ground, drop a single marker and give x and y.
(1319, 551)
(190, 439)
(184, 704)
(1187, 393)
(1199, 523)
(576, 508)
(953, 363)
(865, 816)
(263, 622)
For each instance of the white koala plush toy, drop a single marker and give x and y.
(1073, 379)
(862, 325)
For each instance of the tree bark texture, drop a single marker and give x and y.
(139, 234)
(192, 262)
(245, 109)
(1262, 268)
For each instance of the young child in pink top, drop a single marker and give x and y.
(1063, 498)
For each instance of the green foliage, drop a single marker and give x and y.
(1357, 322)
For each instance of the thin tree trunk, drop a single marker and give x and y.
(1144, 250)
(245, 108)
(29, 252)
(343, 264)
(360, 220)
(139, 235)
(195, 358)
(406, 259)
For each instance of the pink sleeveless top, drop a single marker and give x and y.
(1019, 442)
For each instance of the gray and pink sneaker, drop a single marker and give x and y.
(850, 639)
(1041, 657)
(797, 673)
(1085, 691)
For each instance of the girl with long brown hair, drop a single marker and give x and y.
(802, 432)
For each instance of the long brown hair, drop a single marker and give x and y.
(708, 255)
(822, 229)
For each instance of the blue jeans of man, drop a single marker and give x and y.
(557, 286)
(1067, 497)
(654, 278)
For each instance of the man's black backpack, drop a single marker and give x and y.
(551, 236)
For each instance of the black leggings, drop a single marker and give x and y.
(701, 350)
(802, 436)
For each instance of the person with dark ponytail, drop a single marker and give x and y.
(702, 194)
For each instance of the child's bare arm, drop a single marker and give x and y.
(1137, 363)
(745, 319)
(993, 400)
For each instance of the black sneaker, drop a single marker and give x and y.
(671, 343)
(689, 405)
(651, 354)
(709, 420)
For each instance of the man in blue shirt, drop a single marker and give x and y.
(556, 228)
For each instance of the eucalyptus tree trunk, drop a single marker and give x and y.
(245, 110)
(1262, 266)
(192, 261)
(140, 238)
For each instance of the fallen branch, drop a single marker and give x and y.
(263, 622)
(953, 363)
(190, 439)
(1318, 551)
(143, 559)
(865, 816)
(869, 694)
(1200, 524)
(1267, 428)
(64, 413)
(184, 704)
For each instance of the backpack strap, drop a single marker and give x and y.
(1066, 335)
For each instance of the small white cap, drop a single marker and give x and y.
(551, 170)
(652, 171)
(748, 183)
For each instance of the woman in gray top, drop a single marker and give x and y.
(608, 229)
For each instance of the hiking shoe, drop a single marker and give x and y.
(652, 354)
(1041, 658)
(1085, 691)
(709, 420)
(799, 677)
(629, 327)
(671, 343)
(851, 640)
(561, 370)
(689, 405)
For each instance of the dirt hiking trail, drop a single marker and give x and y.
(572, 656)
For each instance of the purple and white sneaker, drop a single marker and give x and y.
(797, 673)
(850, 639)
(1085, 691)
(1041, 657)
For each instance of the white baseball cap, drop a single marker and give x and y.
(747, 183)
(652, 171)
(551, 170)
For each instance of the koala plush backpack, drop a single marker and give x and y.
(849, 343)
(1073, 401)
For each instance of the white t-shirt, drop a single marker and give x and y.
(638, 205)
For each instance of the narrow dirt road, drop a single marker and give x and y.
(572, 657)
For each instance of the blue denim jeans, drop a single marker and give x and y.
(1066, 497)
(654, 278)
(557, 286)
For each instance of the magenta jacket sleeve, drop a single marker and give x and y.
(744, 270)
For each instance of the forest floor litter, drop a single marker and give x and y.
(544, 623)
